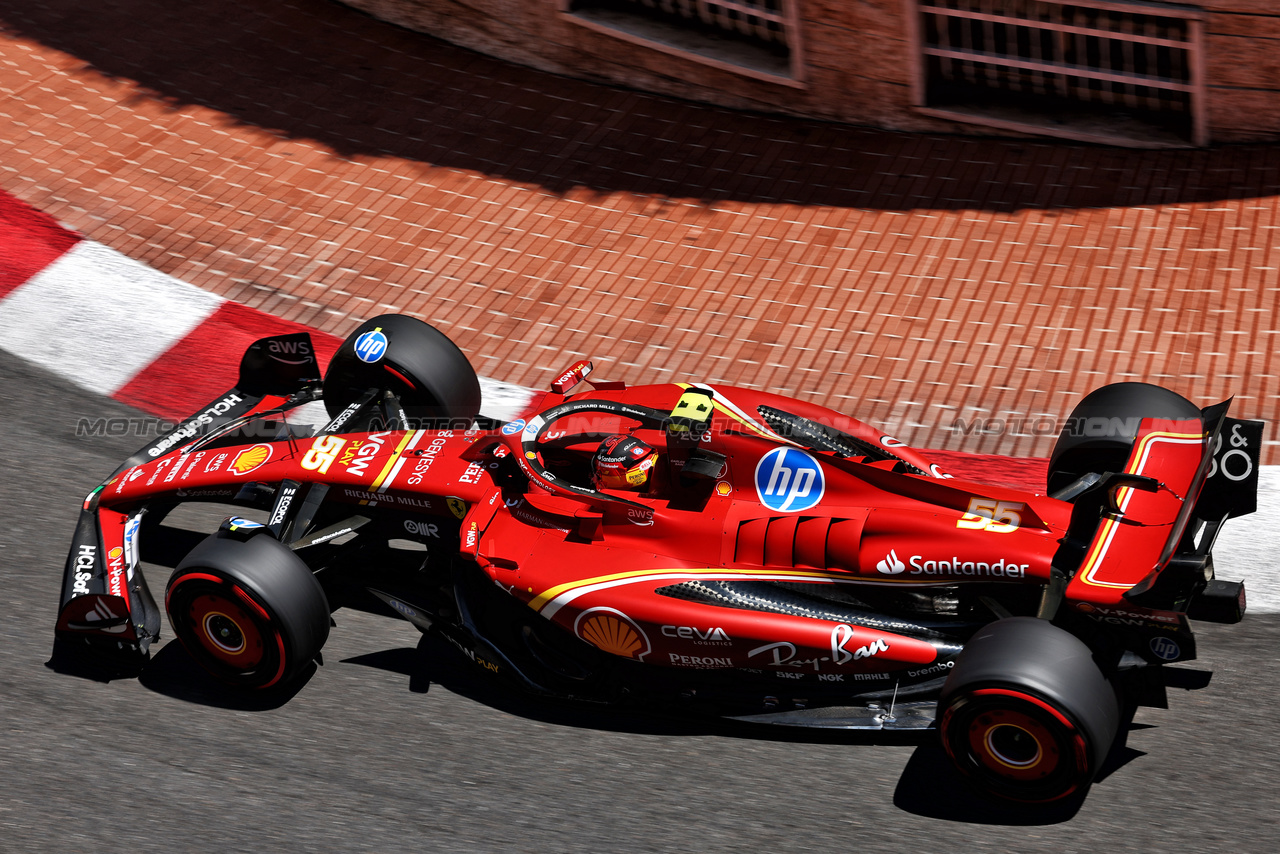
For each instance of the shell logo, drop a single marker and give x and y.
(250, 459)
(115, 553)
(613, 632)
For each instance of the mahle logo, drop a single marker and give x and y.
(891, 565)
(789, 480)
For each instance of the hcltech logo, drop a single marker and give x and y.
(371, 346)
(789, 480)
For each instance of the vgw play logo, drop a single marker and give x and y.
(789, 480)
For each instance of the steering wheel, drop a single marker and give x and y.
(541, 424)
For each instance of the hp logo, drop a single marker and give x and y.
(789, 480)
(1165, 649)
(371, 346)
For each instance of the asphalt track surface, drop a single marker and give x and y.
(397, 746)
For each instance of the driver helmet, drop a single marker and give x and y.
(623, 462)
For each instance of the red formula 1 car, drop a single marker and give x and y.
(715, 548)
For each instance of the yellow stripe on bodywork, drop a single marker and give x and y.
(391, 461)
(638, 575)
(1102, 542)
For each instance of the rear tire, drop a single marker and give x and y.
(1099, 435)
(1026, 712)
(432, 378)
(250, 612)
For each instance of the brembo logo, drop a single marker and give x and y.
(891, 565)
(788, 480)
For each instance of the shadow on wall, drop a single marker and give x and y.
(315, 69)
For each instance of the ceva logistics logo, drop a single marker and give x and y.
(789, 480)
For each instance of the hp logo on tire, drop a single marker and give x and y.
(371, 346)
(788, 480)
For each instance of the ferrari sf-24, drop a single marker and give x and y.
(720, 550)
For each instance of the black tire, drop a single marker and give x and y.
(251, 612)
(434, 381)
(1026, 712)
(1099, 434)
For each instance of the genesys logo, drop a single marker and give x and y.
(789, 480)
(954, 566)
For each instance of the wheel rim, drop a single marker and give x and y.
(226, 631)
(1014, 745)
(1018, 745)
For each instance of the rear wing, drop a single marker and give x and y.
(1137, 554)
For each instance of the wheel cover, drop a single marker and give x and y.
(1020, 746)
(1014, 745)
(226, 631)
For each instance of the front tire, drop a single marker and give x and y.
(432, 378)
(250, 612)
(1026, 712)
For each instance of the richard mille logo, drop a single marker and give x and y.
(891, 565)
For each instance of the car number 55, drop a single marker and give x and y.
(998, 517)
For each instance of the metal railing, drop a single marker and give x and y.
(1108, 54)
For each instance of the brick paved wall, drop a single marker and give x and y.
(1242, 47)
(857, 63)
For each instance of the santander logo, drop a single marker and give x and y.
(891, 565)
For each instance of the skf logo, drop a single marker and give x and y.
(322, 454)
(841, 635)
(250, 459)
(891, 565)
(789, 480)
